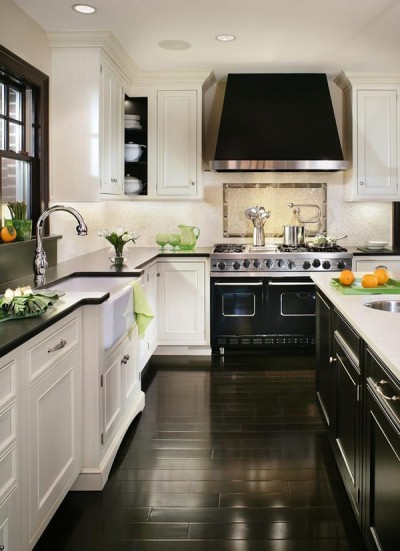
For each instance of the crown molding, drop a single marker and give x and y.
(205, 79)
(347, 79)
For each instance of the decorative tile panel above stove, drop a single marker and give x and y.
(273, 197)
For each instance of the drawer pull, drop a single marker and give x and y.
(125, 359)
(381, 392)
(58, 346)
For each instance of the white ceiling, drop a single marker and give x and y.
(272, 35)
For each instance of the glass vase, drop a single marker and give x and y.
(118, 256)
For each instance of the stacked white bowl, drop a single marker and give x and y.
(132, 121)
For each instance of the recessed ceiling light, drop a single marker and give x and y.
(225, 37)
(174, 45)
(84, 8)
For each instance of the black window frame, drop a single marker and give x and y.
(19, 70)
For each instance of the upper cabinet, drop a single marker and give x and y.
(170, 161)
(372, 136)
(90, 72)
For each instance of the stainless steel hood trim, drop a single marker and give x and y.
(255, 166)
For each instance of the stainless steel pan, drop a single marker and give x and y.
(323, 242)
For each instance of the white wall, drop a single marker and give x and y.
(23, 36)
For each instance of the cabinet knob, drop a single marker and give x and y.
(332, 360)
(125, 359)
(193, 183)
(361, 183)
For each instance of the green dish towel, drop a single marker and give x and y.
(141, 308)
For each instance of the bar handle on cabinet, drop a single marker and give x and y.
(381, 392)
(236, 284)
(57, 347)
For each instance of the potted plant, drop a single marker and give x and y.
(22, 225)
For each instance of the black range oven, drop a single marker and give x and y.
(265, 299)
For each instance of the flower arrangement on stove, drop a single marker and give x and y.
(118, 238)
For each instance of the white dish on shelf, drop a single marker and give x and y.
(376, 244)
(132, 117)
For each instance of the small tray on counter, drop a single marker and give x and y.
(389, 288)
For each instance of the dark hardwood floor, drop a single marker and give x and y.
(228, 455)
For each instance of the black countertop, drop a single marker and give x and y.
(13, 333)
(362, 251)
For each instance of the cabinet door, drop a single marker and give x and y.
(130, 371)
(382, 459)
(377, 148)
(347, 420)
(55, 402)
(324, 371)
(9, 533)
(113, 409)
(181, 303)
(148, 343)
(178, 146)
(111, 162)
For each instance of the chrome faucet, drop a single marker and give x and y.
(40, 261)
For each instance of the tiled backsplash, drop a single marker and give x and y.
(309, 198)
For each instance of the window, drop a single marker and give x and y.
(23, 135)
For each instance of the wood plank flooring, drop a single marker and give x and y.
(229, 455)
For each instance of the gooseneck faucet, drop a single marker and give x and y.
(40, 261)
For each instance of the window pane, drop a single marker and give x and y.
(2, 134)
(2, 100)
(15, 104)
(15, 183)
(15, 137)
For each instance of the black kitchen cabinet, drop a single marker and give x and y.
(324, 356)
(347, 410)
(382, 457)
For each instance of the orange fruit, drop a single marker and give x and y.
(382, 275)
(369, 281)
(8, 234)
(346, 277)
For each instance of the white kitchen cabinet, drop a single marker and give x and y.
(179, 155)
(9, 535)
(370, 263)
(111, 135)
(174, 152)
(148, 343)
(112, 396)
(182, 302)
(372, 136)
(52, 419)
(89, 73)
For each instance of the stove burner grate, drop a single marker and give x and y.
(229, 248)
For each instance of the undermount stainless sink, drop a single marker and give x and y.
(385, 305)
(117, 311)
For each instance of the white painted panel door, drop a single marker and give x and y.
(112, 396)
(111, 151)
(9, 528)
(55, 403)
(148, 343)
(181, 303)
(130, 371)
(377, 162)
(177, 147)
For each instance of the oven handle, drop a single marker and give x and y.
(297, 283)
(236, 284)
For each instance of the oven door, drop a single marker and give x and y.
(237, 306)
(291, 306)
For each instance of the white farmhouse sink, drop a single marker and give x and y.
(117, 311)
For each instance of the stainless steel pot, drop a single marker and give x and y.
(293, 235)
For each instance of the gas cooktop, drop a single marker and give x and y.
(245, 258)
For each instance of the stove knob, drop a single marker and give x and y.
(280, 263)
(326, 264)
(291, 265)
(306, 265)
(341, 264)
(246, 263)
(236, 265)
(221, 265)
(269, 263)
(256, 264)
(316, 263)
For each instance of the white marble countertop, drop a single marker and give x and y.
(379, 329)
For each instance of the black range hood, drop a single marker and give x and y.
(278, 122)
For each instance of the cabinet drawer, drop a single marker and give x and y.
(348, 335)
(7, 427)
(7, 382)
(54, 344)
(8, 471)
(384, 386)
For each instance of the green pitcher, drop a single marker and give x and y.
(189, 236)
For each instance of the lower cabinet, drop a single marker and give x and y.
(324, 357)
(182, 304)
(148, 343)
(9, 524)
(382, 457)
